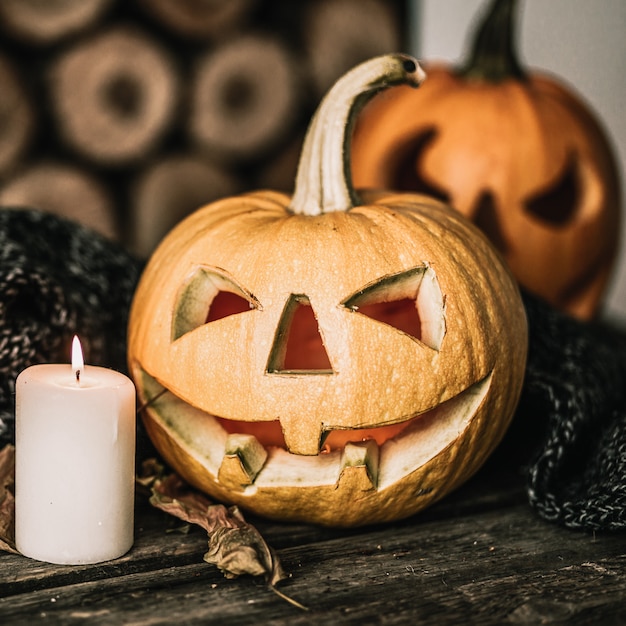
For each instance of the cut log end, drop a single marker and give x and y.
(244, 97)
(65, 191)
(17, 117)
(192, 18)
(169, 191)
(343, 33)
(114, 96)
(45, 22)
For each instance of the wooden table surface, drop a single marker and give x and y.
(481, 556)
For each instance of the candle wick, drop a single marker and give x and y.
(77, 376)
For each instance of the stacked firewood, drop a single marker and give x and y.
(127, 115)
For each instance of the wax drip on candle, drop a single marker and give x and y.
(77, 358)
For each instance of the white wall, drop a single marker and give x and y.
(582, 41)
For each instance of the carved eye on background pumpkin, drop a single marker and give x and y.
(559, 203)
(516, 152)
(364, 353)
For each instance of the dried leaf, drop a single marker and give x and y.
(151, 470)
(235, 546)
(7, 499)
(241, 550)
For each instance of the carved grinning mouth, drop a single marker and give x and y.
(240, 462)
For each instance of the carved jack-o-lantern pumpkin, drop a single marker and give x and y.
(518, 153)
(323, 357)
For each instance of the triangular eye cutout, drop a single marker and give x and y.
(409, 301)
(209, 295)
(298, 345)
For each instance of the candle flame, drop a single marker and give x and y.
(77, 357)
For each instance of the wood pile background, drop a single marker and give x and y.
(127, 115)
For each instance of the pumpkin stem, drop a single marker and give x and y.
(493, 55)
(324, 179)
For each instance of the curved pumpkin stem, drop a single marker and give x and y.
(493, 56)
(324, 179)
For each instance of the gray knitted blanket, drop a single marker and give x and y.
(58, 279)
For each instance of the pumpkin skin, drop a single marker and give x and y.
(518, 153)
(390, 393)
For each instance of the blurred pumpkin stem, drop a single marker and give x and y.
(324, 179)
(493, 55)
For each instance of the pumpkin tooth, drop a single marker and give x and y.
(303, 437)
(243, 459)
(359, 470)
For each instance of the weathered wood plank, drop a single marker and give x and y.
(491, 567)
(154, 544)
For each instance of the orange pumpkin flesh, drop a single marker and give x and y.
(327, 357)
(517, 153)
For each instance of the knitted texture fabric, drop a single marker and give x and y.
(573, 412)
(58, 279)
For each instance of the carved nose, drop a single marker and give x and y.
(298, 346)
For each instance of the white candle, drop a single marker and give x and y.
(74, 462)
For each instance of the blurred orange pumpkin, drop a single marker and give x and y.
(517, 152)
